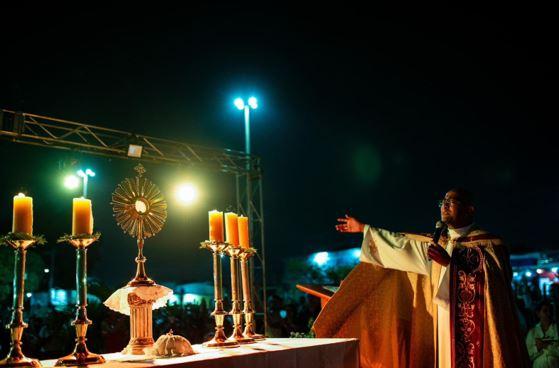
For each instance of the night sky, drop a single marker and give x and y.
(373, 112)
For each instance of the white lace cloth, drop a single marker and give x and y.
(157, 294)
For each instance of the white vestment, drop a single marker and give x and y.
(396, 251)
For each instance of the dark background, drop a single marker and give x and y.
(370, 111)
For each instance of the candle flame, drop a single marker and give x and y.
(20, 195)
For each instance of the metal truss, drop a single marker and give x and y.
(63, 134)
(50, 132)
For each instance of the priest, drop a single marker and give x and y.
(461, 289)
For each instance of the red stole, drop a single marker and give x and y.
(467, 306)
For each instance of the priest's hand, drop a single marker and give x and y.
(439, 254)
(349, 224)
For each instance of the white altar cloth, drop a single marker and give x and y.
(269, 353)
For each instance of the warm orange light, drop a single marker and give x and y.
(232, 229)
(216, 225)
(244, 239)
(23, 214)
(82, 217)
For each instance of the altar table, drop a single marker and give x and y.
(269, 353)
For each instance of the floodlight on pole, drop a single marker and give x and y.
(186, 193)
(85, 175)
(71, 181)
(251, 105)
(239, 103)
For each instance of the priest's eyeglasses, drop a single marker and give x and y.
(449, 202)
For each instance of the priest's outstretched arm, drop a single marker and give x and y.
(388, 249)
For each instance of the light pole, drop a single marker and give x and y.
(85, 176)
(251, 105)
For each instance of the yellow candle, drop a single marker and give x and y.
(243, 232)
(82, 217)
(23, 214)
(232, 229)
(216, 225)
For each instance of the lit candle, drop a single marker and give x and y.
(82, 217)
(243, 232)
(23, 214)
(232, 229)
(216, 226)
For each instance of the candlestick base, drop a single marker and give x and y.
(237, 334)
(20, 362)
(249, 328)
(80, 359)
(221, 343)
(220, 339)
(81, 355)
(15, 357)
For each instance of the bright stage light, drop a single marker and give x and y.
(321, 258)
(189, 298)
(135, 150)
(186, 193)
(239, 103)
(528, 274)
(253, 103)
(554, 269)
(71, 181)
(539, 271)
(86, 173)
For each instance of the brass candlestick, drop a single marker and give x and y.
(219, 339)
(15, 357)
(236, 311)
(81, 355)
(248, 310)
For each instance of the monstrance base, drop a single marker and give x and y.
(136, 347)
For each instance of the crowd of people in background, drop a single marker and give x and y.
(291, 314)
(538, 312)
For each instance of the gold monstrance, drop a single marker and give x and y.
(140, 210)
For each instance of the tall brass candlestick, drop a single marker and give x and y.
(236, 311)
(248, 310)
(15, 357)
(81, 355)
(219, 339)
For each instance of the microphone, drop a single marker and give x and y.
(440, 227)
